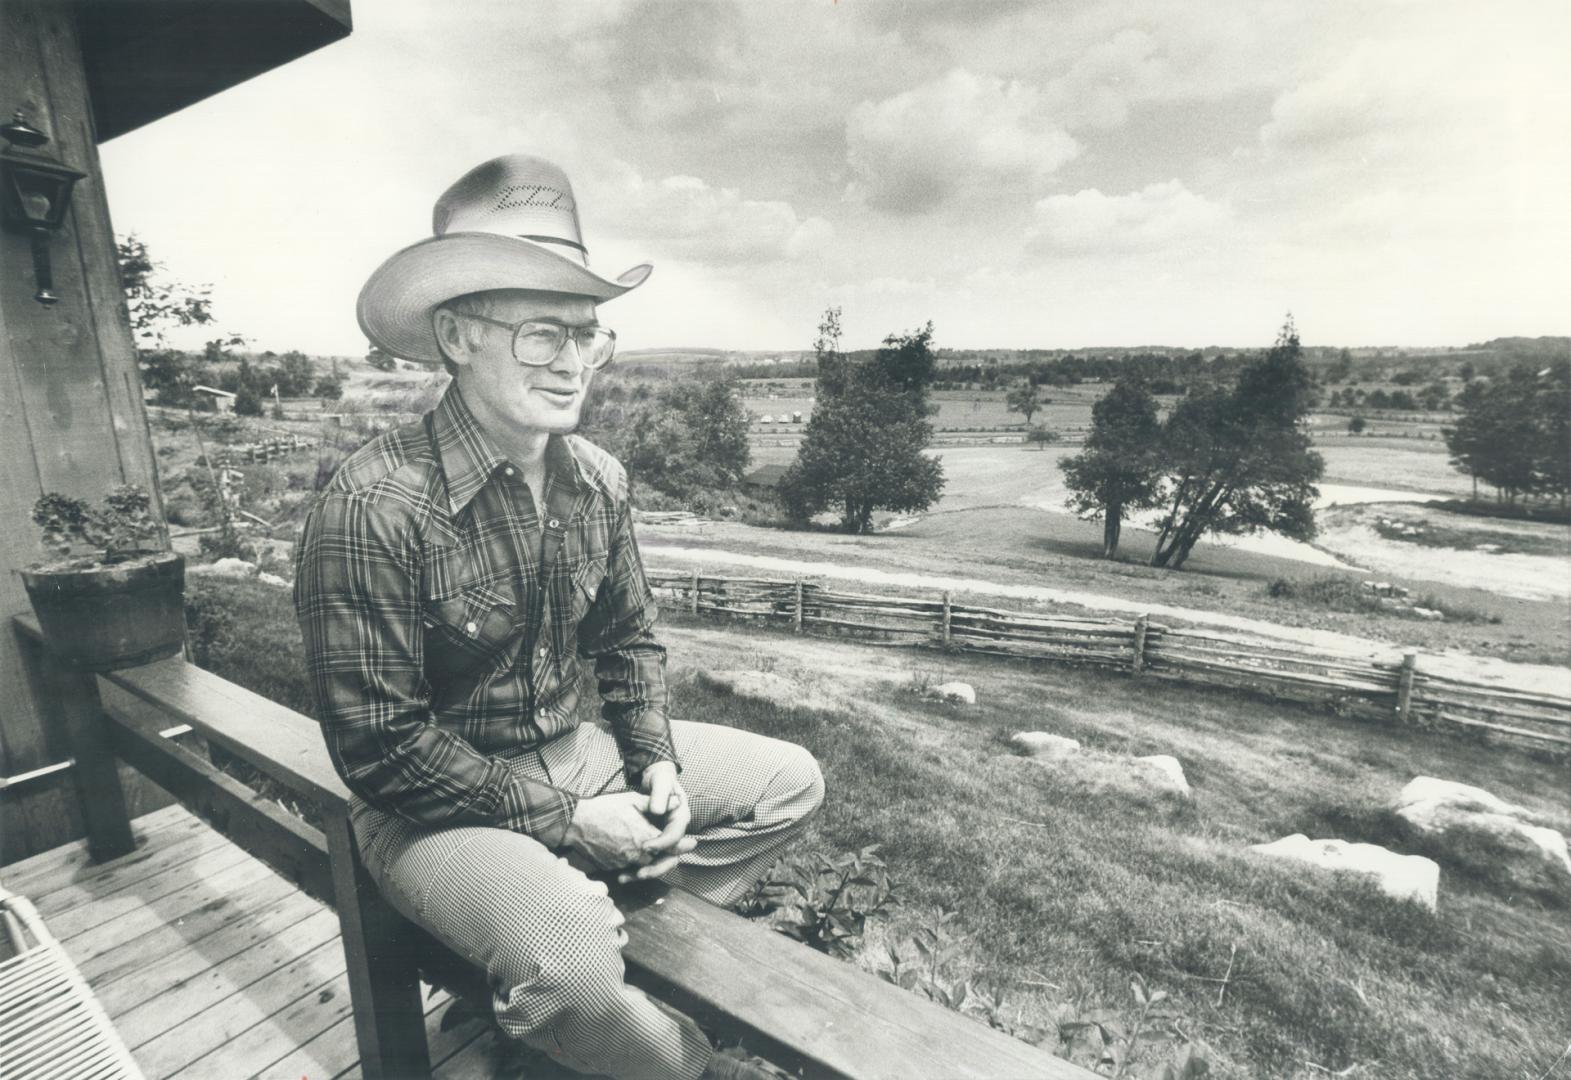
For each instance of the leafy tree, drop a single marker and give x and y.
(156, 305)
(686, 440)
(294, 374)
(1356, 425)
(380, 360)
(1514, 432)
(862, 449)
(330, 387)
(1238, 459)
(1120, 467)
(1022, 399)
(1040, 436)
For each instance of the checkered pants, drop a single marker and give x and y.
(545, 933)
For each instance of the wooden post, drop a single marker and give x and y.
(948, 633)
(1404, 686)
(1142, 625)
(71, 701)
(796, 622)
(693, 598)
(384, 986)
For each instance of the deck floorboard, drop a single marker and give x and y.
(208, 962)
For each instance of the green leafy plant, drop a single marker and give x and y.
(123, 529)
(823, 901)
(926, 962)
(1105, 1038)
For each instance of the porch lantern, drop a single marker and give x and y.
(36, 195)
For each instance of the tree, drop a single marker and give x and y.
(1514, 433)
(1120, 467)
(1356, 425)
(156, 305)
(687, 440)
(862, 449)
(1040, 436)
(1022, 399)
(380, 360)
(330, 387)
(1239, 460)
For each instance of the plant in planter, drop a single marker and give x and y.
(113, 598)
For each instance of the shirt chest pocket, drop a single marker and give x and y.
(473, 626)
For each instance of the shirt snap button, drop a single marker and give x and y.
(508, 470)
(471, 627)
(553, 523)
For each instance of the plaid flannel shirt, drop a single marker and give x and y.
(437, 645)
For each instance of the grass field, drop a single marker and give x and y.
(1068, 882)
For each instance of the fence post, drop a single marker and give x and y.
(947, 615)
(693, 599)
(1142, 624)
(1404, 686)
(796, 622)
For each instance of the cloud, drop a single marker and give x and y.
(962, 136)
(1156, 216)
(685, 217)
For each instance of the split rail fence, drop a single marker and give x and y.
(250, 453)
(1367, 685)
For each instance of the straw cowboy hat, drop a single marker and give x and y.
(510, 223)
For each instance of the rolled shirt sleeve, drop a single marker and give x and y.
(357, 595)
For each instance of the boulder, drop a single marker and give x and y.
(1429, 614)
(1423, 789)
(272, 579)
(959, 692)
(1406, 877)
(1164, 773)
(1044, 746)
(228, 567)
(1471, 815)
(764, 685)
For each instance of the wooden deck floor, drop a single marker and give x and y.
(210, 964)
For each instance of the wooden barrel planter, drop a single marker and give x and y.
(111, 615)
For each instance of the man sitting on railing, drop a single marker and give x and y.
(448, 583)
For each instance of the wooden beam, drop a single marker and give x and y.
(379, 945)
(147, 60)
(803, 1009)
(293, 848)
(71, 704)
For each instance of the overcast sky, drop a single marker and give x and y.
(1037, 174)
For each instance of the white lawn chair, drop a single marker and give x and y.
(51, 1026)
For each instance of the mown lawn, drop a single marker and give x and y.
(1068, 882)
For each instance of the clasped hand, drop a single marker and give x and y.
(641, 835)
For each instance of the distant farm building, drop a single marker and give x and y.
(764, 479)
(223, 400)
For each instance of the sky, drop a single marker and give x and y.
(1039, 174)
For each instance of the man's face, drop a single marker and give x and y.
(501, 391)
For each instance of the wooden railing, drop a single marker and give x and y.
(802, 1009)
(1365, 684)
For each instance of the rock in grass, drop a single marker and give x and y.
(1044, 746)
(227, 567)
(1164, 773)
(958, 692)
(1406, 877)
(1531, 854)
(764, 685)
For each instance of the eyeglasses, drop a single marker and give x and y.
(536, 343)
